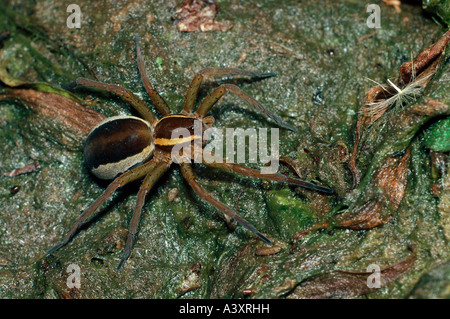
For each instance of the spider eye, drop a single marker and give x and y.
(116, 145)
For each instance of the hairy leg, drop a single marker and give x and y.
(156, 99)
(232, 167)
(189, 176)
(147, 184)
(127, 95)
(120, 181)
(214, 96)
(192, 92)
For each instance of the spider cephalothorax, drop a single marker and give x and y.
(128, 148)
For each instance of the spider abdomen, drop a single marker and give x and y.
(117, 144)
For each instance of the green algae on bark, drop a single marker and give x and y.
(438, 138)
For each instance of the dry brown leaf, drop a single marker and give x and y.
(424, 59)
(56, 106)
(392, 178)
(375, 94)
(348, 284)
(30, 168)
(367, 216)
(266, 251)
(432, 108)
(195, 15)
(416, 74)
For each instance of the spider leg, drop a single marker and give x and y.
(120, 181)
(215, 95)
(232, 167)
(127, 95)
(156, 99)
(147, 184)
(192, 91)
(188, 174)
(191, 94)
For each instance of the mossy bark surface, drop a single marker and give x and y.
(322, 52)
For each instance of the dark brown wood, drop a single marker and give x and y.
(56, 106)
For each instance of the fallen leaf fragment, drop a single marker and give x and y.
(413, 77)
(30, 168)
(392, 178)
(173, 195)
(195, 15)
(192, 279)
(432, 108)
(266, 251)
(349, 284)
(424, 59)
(56, 106)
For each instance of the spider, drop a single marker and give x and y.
(128, 148)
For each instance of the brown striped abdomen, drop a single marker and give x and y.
(117, 144)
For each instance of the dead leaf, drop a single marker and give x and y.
(416, 73)
(432, 108)
(56, 106)
(375, 94)
(424, 59)
(195, 15)
(369, 215)
(192, 279)
(348, 284)
(266, 251)
(30, 168)
(392, 178)
(173, 195)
